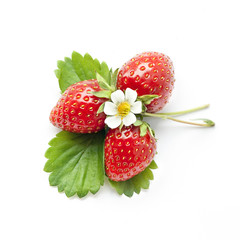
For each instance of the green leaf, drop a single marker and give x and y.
(153, 165)
(76, 163)
(80, 68)
(102, 94)
(105, 72)
(66, 74)
(147, 99)
(136, 183)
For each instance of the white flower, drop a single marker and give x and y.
(122, 108)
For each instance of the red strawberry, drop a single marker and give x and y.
(76, 110)
(127, 153)
(149, 73)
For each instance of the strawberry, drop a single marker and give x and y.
(76, 110)
(127, 153)
(149, 73)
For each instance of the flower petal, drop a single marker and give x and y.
(129, 119)
(110, 108)
(113, 121)
(130, 95)
(136, 107)
(117, 97)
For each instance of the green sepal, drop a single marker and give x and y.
(144, 108)
(114, 79)
(101, 108)
(147, 99)
(136, 183)
(144, 126)
(151, 131)
(102, 94)
(138, 123)
(103, 82)
(76, 162)
(80, 68)
(143, 129)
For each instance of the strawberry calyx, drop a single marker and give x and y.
(108, 88)
(147, 99)
(144, 126)
(103, 83)
(114, 78)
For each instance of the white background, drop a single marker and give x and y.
(196, 191)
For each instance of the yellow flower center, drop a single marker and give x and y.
(123, 109)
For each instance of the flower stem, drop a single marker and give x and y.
(184, 112)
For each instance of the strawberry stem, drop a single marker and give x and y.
(207, 122)
(185, 111)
